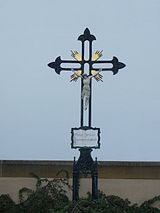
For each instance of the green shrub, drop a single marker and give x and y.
(6, 203)
(50, 197)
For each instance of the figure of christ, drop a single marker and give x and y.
(86, 87)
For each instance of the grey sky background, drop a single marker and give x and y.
(39, 107)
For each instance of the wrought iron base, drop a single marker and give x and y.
(83, 167)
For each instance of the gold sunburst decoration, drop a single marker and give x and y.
(77, 56)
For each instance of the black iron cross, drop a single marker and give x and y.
(58, 68)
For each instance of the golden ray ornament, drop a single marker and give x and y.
(77, 74)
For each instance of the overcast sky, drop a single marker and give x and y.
(38, 108)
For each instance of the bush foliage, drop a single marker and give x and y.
(50, 197)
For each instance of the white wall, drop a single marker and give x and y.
(136, 190)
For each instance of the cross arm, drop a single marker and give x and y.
(115, 62)
(57, 65)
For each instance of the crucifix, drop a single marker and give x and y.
(86, 137)
(93, 60)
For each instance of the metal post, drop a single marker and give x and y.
(95, 181)
(75, 193)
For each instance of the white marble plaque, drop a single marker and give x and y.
(85, 138)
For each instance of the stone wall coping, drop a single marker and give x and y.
(70, 163)
(106, 169)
